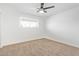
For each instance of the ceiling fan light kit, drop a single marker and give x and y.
(42, 11)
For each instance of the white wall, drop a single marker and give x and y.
(65, 27)
(0, 29)
(11, 32)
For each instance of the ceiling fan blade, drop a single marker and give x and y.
(42, 5)
(49, 7)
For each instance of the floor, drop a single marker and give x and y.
(40, 47)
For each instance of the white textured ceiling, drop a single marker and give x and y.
(31, 8)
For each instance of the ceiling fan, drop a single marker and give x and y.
(43, 9)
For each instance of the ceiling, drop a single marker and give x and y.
(31, 8)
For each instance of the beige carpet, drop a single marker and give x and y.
(40, 47)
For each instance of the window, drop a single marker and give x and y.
(29, 23)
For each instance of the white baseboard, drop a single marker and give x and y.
(10, 43)
(47, 37)
(64, 42)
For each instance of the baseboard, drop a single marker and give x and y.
(10, 43)
(36, 38)
(64, 42)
